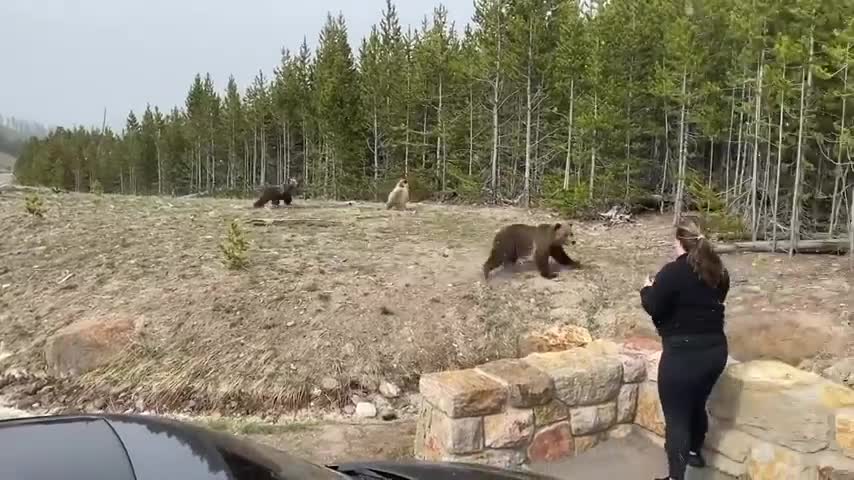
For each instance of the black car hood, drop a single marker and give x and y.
(439, 471)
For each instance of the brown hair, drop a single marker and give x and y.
(701, 253)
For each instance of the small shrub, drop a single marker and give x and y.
(235, 247)
(725, 226)
(96, 187)
(35, 205)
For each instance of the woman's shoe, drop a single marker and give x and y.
(696, 460)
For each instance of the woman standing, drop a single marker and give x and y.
(686, 303)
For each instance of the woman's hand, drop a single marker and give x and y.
(648, 282)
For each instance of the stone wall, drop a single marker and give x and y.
(768, 420)
(543, 407)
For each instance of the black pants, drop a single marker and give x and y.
(689, 368)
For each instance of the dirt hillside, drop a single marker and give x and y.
(342, 297)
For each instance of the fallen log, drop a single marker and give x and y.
(832, 246)
(194, 195)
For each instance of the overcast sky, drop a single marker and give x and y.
(63, 61)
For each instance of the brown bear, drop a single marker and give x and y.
(517, 241)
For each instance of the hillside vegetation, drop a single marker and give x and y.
(337, 298)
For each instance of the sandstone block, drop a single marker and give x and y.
(494, 458)
(509, 429)
(463, 393)
(649, 414)
(779, 403)
(437, 434)
(649, 350)
(552, 443)
(581, 378)
(594, 419)
(627, 402)
(634, 367)
(427, 445)
(844, 427)
(770, 462)
(87, 344)
(728, 441)
(526, 385)
(555, 339)
(552, 412)
(587, 442)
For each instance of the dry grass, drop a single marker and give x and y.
(356, 293)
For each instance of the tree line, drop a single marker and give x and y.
(739, 107)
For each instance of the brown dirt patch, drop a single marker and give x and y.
(355, 292)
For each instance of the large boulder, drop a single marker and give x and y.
(779, 403)
(88, 344)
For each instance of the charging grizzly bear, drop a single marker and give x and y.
(276, 194)
(517, 241)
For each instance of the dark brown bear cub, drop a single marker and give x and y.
(276, 194)
(517, 241)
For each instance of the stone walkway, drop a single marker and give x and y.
(630, 458)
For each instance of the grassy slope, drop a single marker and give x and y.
(356, 293)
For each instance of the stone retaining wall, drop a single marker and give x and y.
(543, 407)
(768, 420)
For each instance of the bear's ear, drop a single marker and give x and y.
(557, 226)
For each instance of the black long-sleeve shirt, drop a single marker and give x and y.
(681, 303)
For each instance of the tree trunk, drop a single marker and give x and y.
(263, 155)
(254, 155)
(711, 159)
(736, 187)
(754, 213)
(376, 151)
(593, 146)
(408, 97)
(836, 206)
(766, 182)
(439, 137)
(569, 136)
(851, 231)
(526, 188)
(496, 86)
(471, 129)
(680, 181)
(779, 165)
(729, 150)
(666, 156)
(796, 195)
(159, 164)
(305, 162)
(424, 142)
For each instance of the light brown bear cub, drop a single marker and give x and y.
(517, 241)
